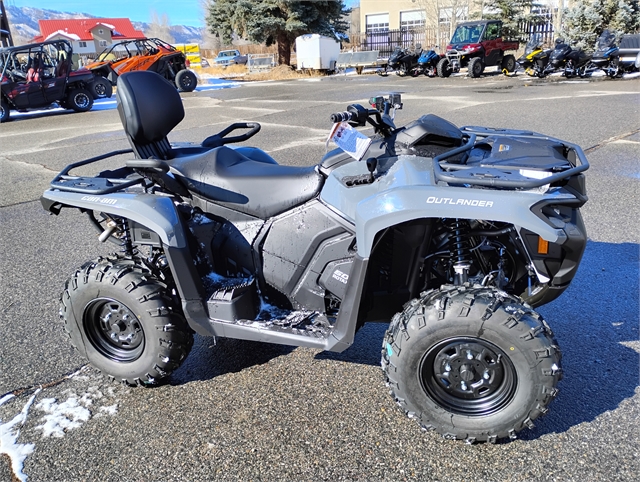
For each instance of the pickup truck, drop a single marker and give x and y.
(477, 45)
(229, 57)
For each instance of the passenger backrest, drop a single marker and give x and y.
(149, 108)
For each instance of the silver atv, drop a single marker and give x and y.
(450, 235)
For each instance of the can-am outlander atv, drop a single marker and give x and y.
(452, 235)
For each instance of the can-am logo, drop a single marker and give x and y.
(340, 276)
(97, 199)
(459, 202)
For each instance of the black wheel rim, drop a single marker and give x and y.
(468, 376)
(82, 100)
(101, 89)
(114, 330)
(186, 81)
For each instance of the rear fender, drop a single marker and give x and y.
(396, 206)
(156, 213)
(159, 215)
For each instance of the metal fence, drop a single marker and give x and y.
(388, 40)
(429, 37)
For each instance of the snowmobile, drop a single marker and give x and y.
(427, 63)
(450, 235)
(572, 62)
(607, 55)
(402, 61)
(535, 58)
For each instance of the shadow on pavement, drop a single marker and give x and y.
(591, 320)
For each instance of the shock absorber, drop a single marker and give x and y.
(127, 244)
(459, 248)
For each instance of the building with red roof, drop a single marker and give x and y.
(89, 35)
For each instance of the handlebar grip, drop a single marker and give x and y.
(341, 117)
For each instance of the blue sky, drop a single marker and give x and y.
(180, 12)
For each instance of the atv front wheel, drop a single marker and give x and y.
(474, 364)
(79, 100)
(4, 110)
(444, 68)
(509, 63)
(124, 321)
(475, 67)
(186, 81)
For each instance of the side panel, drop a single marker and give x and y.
(298, 246)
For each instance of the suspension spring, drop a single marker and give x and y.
(460, 248)
(125, 237)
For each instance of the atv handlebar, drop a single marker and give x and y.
(342, 117)
(358, 116)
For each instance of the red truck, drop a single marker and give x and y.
(477, 45)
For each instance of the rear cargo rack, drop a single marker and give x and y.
(501, 176)
(94, 185)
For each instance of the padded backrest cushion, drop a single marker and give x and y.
(149, 106)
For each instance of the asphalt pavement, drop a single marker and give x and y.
(239, 410)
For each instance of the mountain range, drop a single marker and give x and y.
(24, 23)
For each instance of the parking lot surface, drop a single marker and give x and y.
(247, 411)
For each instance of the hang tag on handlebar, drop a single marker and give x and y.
(349, 140)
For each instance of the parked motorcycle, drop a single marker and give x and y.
(535, 59)
(461, 232)
(428, 63)
(607, 55)
(570, 61)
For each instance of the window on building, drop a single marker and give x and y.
(103, 43)
(100, 31)
(82, 44)
(413, 19)
(378, 23)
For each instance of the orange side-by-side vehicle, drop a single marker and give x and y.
(147, 54)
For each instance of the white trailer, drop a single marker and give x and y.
(316, 52)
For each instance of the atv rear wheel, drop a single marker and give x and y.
(124, 321)
(444, 68)
(4, 110)
(101, 88)
(509, 63)
(475, 67)
(79, 100)
(473, 364)
(186, 81)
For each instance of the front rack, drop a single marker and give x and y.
(497, 177)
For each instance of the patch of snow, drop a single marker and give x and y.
(16, 452)
(61, 417)
(108, 410)
(6, 398)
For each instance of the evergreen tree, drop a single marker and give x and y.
(276, 21)
(513, 14)
(584, 23)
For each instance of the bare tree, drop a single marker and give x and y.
(159, 27)
(450, 11)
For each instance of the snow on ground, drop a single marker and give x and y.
(55, 417)
(9, 433)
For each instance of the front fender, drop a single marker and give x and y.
(156, 213)
(402, 204)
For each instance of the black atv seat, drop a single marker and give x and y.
(260, 188)
(246, 179)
